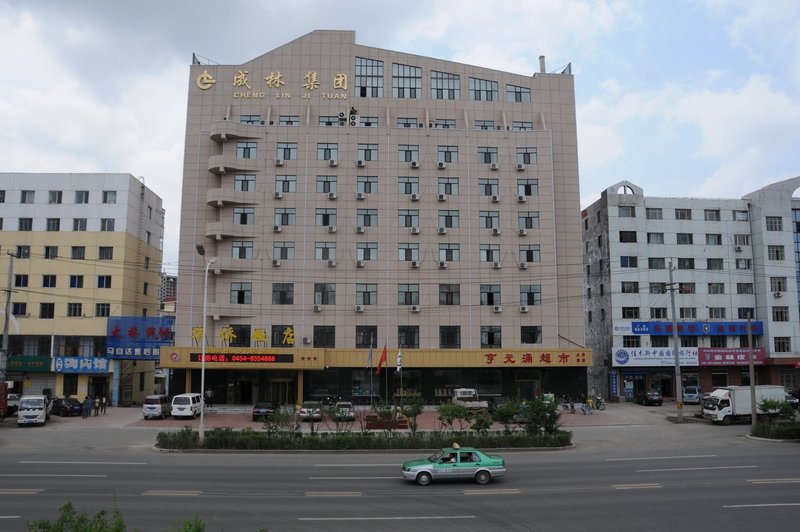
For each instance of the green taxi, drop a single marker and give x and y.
(455, 463)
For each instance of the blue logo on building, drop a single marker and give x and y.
(621, 356)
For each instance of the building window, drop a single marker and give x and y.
(408, 294)
(654, 213)
(445, 86)
(244, 183)
(366, 294)
(626, 211)
(408, 336)
(54, 197)
(288, 120)
(718, 341)
(716, 288)
(448, 186)
(448, 219)
(284, 216)
(407, 122)
(741, 239)
(741, 216)
(51, 252)
(325, 336)
(79, 224)
(244, 215)
(521, 126)
(659, 341)
(326, 184)
(490, 294)
(491, 337)
(408, 184)
(686, 288)
(490, 252)
(630, 287)
(631, 341)
(627, 236)
(242, 249)
(408, 218)
(685, 263)
(324, 293)
(47, 311)
(327, 151)
(687, 313)
(517, 94)
(689, 341)
(110, 196)
(19, 309)
(103, 281)
(489, 219)
(777, 284)
(76, 281)
(782, 344)
(407, 152)
(744, 264)
(406, 81)
(366, 251)
(445, 123)
(716, 313)
(488, 187)
(744, 288)
(369, 78)
(48, 281)
(449, 294)
(711, 215)
(27, 196)
(658, 288)
(368, 121)
(527, 187)
(102, 310)
(285, 183)
(683, 214)
(280, 250)
(286, 151)
(528, 220)
(774, 223)
(626, 261)
(246, 150)
(449, 337)
(250, 119)
(325, 251)
(105, 253)
(655, 238)
(81, 196)
(107, 224)
(408, 251)
(447, 154)
(78, 253)
(526, 156)
(53, 224)
(530, 294)
(714, 264)
(684, 239)
(483, 90)
(25, 224)
(23, 252)
(780, 313)
(241, 293)
(282, 335)
(147, 263)
(366, 336)
(282, 294)
(74, 310)
(531, 334)
(367, 217)
(487, 155)
(330, 121)
(529, 253)
(775, 253)
(367, 152)
(367, 184)
(484, 125)
(630, 313)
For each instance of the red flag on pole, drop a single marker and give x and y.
(382, 360)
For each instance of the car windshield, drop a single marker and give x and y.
(152, 401)
(31, 403)
(435, 457)
(181, 401)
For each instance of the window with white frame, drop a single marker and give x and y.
(286, 151)
(285, 183)
(528, 220)
(242, 249)
(448, 218)
(325, 216)
(711, 215)
(283, 250)
(445, 86)
(244, 215)
(777, 284)
(367, 184)
(406, 81)
(366, 294)
(449, 252)
(530, 294)
(284, 216)
(655, 238)
(366, 251)
(487, 154)
(489, 219)
(780, 313)
(327, 151)
(408, 184)
(367, 152)
(326, 184)
(716, 288)
(529, 253)
(408, 217)
(527, 187)
(367, 217)
(447, 154)
(407, 152)
(654, 213)
(408, 251)
(246, 150)
(774, 223)
(407, 294)
(325, 251)
(526, 155)
(488, 187)
(489, 252)
(244, 183)
(775, 253)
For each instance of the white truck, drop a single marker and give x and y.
(468, 397)
(33, 410)
(731, 403)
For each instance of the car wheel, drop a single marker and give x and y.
(726, 420)
(483, 477)
(424, 478)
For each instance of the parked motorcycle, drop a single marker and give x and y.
(599, 403)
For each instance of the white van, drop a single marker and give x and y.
(33, 410)
(186, 405)
(156, 406)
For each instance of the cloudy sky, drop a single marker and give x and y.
(682, 97)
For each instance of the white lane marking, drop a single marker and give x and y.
(168, 493)
(635, 486)
(9, 516)
(498, 491)
(20, 491)
(26, 475)
(696, 468)
(79, 463)
(768, 505)
(775, 480)
(661, 458)
(403, 518)
(353, 478)
(394, 464)
(333, 494)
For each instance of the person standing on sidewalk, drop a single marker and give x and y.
(87, 407)
(103, 404)
(96, 405)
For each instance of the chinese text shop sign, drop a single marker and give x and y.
(137, 338)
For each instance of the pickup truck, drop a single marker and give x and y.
(468, 397)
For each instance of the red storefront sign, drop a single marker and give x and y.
(739, 356)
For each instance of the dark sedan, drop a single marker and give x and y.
(67, 406)
(649, 398)
(263, 410)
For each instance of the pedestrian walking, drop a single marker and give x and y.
(87, 407)
(103, 404)
(209, 397)
(96, 405)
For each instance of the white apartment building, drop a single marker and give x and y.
(357, 200)
(731, 259)
(79, 249)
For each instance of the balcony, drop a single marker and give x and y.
(224, 164)
(228, 265)
(218, 311)
(220, 230)
(226, 130)
(227, 196)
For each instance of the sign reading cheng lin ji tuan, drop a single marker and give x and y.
(137, 338)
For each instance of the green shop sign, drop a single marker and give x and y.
(20, 363)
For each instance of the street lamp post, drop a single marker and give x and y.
(211, 260)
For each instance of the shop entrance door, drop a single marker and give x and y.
(528, 389)
(240, 392)
(281, 391)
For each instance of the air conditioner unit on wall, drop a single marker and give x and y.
(522, 199)
(414, 308)
(332, 162)
(523, 308)
(359, 264)
(414, 164)
(493, 166)
(317, 308)
(442, 264)
(442, 197)
(331, 228)
(276, 262)
(359, 308)
(442, 230)
(523, 232)
(520, 166)
(331, 195)
(414, 197)
(738, 248)
(277, 228)
(495, 231)
(360, 195)
(414, 264)
(441, 166)
(415, 230)
(497, 308)
(331, 264)
(278, 195)
(361, 163)
(778, 294)
(496, 265)
(360, 229)
(523, 265)
(278, 162)
(495, 199)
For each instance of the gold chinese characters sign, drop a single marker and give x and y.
(274, 85)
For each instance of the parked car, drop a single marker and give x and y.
(649, 398)
(692, 395)
(455, 463)
(67, 406)
(262, 410)
(13, 404)
(157, 405)
(792, 398)
(343, 411)
(310, 411)
(186, 405)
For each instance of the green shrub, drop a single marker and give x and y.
(452, 414)
(777, 431)
(69, 520)
(185, 438)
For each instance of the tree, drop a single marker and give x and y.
(450, 414)
(412, 411)
(506, 414)
(537, 416)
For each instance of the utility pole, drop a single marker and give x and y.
(4, 352)
(753, 410)
(678, 383)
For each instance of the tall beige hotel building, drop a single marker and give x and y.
(352, 201)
